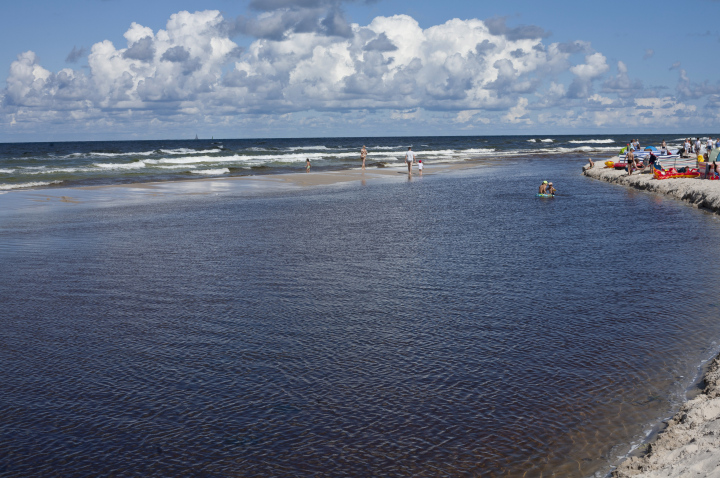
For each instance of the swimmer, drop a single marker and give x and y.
(543, 188)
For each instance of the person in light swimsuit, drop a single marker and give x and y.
(409, 159)
(363, 155)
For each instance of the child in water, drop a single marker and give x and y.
(420, 166)
(543, 188)
(550, 189)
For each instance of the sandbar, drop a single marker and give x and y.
(139, 193)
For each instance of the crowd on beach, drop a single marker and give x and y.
(689, 148)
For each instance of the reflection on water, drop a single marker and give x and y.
(450, 326)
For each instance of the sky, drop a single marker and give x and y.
(161, 69)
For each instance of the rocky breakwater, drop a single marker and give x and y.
(699, 192)
(690, 445)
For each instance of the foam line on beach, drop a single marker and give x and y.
(698, 192)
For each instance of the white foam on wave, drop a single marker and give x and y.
(186, 160)
(579, 149)
(211, 171)
(297, 157)
(592, 141)
(308, 148)
(188, 151)
(547, 140)
(113, 155)
(27, 185)
(478, 151)
(56, 170)
(7, 171)
(100, 154)
(278, 157)
(135, 165)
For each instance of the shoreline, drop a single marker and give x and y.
(690, 442)
(42, 199)
(702, 194)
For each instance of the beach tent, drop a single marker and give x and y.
(623, 150)
(713, 155)
(651, 148)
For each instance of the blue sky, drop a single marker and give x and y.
(279, 68)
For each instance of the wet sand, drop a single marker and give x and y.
(139, 192)
(690, 444)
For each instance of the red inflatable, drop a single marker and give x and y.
(673, 173)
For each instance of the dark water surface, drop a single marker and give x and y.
(454, 325)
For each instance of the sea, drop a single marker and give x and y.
(452, 324)
(33, 165)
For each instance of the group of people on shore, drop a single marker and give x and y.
(409, 159)
(689, 147)
(634, 165)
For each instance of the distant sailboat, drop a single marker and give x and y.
(196, 137)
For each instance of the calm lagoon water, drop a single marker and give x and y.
(452, 325)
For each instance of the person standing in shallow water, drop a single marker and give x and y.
(409, 159)
(307, 165)
(363, 155)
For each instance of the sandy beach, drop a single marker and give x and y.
(690, 444)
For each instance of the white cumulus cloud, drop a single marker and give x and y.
(192, 71)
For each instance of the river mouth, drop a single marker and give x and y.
(451, 324)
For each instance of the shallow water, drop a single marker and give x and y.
(449, 325)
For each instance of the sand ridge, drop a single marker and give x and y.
(699, 192)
